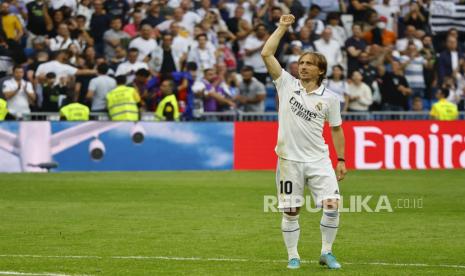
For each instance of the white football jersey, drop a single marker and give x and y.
(301, 119)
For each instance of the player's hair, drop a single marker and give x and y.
(320, 61)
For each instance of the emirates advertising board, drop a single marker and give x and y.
(369, 145)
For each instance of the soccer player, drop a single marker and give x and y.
(304, 105)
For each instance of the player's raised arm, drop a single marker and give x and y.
(271, 44)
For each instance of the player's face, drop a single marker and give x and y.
(308, 69)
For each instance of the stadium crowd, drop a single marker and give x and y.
(181, 58)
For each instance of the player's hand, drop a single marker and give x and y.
(286, 20)
(341, 170)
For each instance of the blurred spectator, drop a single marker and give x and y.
(123, 102)
(312, 14)
(39, 21)
(117, 8)
(307, 37)
(329, 6)
(450, 60)
(429, 54)
(253, 45)
(417, 104)
(11, 26)
(359, 94)
(390, 12)
(153, 15)
(135, 23)
(115, 37)
(413, 64)
(165, 59)
(402, 44)
(245, 9)
(416, 17)
(99, 87)
(99, 23)
(213, 96)
(19, 93)
(360, 9)
(202, 54)
(142, 84)
(3, 109)
(52, 93)
(130, 67)
(144, 43)
(296, 51)
(354, 45)
(330, 48)
(84, 8)
(252, 92)
(339, 33)
(455, 93)
(167, 109)
(337, 83)
(62, 40)
(443, 110)
(394, 88)
(379, 35)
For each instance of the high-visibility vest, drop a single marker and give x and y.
(122, 104)
(168, 109)
(75, 112)
(3, 109)
(444, 110)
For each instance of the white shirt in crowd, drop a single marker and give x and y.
(57, 4)
(129, 69)
(60, 43)
(318, 25)
(255, 60)
(365, 99)
(301, 119)
(390, 12)
(402, 44)
(60, 69)
(145, 46)
(338, 87)
(19, 103)
(101, 85)
(331, 50)
(248, 12)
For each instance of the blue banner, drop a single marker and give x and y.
(113, 146)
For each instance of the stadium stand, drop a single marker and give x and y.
(404, 50)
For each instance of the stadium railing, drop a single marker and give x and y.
(230, 116)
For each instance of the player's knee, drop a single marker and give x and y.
(331, 204)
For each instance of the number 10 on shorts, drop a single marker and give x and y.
(285, 187)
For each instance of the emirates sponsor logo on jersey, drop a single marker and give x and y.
(301, 111)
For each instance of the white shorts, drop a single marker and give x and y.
(291, 178)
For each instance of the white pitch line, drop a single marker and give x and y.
(35, 274)
(173, 258)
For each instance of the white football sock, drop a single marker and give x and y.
(328, 226)
(291, 231)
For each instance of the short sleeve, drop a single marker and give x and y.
(283, 82)
(70, 70)
(29, 88)
(92, 85)
(334, 113)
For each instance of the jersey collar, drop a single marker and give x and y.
(319, 91)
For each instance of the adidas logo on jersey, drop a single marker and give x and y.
(297, 92)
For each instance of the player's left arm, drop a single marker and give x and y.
(337, 134)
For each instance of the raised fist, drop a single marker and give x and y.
(286, 20)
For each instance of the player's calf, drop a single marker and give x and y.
(328, 225)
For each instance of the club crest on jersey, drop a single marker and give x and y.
(319, 106)
(297, 92)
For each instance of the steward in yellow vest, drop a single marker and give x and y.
(75, 112)
(167, 109)
(123, 102)
(3, 109)
(444, 110)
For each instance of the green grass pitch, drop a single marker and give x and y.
(217, 219)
